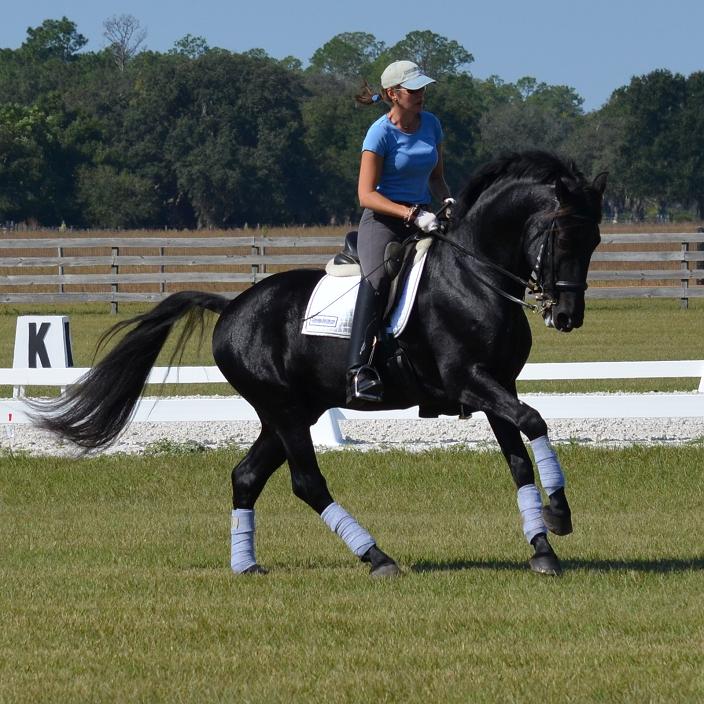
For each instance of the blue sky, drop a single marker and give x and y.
(595, 46)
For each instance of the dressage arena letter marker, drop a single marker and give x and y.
(42, 341)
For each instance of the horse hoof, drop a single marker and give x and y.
(255, 569)
(388, 569)
(559, 524)
(545, 564)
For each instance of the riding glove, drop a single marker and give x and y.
(448, 204)
(427, 222)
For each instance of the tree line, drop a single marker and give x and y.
(204, 137)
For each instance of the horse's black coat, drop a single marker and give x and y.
(467, 343)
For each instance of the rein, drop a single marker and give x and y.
(531, 284)
(542, 286)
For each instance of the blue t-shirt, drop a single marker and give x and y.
(409, 159)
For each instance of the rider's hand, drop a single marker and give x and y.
(427, 222)
(448, 205)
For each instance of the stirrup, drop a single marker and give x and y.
(367, 388)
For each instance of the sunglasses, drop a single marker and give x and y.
(412, 91)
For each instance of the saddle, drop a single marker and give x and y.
(399, 259)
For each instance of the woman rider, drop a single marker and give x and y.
(401, 168)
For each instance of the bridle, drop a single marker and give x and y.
(542, 282)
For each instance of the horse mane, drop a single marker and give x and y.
(535, 165)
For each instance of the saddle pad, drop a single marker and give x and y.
(331, 306)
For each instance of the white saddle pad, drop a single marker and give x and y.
(331, 306)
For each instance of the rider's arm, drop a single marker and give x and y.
(369, 177)
(437, 183)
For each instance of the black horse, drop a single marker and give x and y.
(528, 219)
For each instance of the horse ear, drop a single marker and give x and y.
(562, 191)
(599, 182)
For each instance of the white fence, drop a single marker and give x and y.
(327, 430)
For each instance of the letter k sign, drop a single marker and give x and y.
(36, 347)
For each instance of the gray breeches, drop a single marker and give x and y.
(375, 232)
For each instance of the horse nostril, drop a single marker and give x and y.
(563, 322)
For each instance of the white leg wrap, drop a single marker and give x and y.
(340, 522)
(531, 508)
(549, 469)
(242, 546)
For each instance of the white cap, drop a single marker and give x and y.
(405, 74)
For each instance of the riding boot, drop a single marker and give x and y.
(363, 380)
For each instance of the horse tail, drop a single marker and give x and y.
(93, 412)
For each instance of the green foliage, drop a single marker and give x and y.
(53, 39)
(436, 55)
(347, 56)
(204, 137)
(190, 46)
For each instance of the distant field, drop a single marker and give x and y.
(116, 584)
(624, 330)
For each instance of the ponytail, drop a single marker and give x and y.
(367, 96)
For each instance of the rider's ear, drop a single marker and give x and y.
(599, 182)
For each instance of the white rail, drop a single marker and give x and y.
(327, 431)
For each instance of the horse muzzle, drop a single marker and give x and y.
(562, 321)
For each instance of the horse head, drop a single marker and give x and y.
(565, 250)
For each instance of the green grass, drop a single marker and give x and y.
(116, 584)
(613, 330)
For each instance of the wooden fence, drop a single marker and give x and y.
(121, 269)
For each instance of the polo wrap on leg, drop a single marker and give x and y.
(339, 521)
(242, 545)
(549, 469)
(531, 507)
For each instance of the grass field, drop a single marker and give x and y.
(116, 585)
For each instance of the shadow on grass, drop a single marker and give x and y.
(654, 566)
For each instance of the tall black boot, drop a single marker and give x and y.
(363, 381)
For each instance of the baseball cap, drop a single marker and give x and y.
(405, 74)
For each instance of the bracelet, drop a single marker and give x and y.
(411, 215)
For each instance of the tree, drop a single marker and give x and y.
(125, 37)
(435, 54)
(31, 162)
(190, 46)
(237, 145)
(690, 164)
(651, 107)
(116, 199)
(455, 100)
(347, 55)
(54, 39)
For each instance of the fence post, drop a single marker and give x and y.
(699, 248)
(684, 301)
(115, 251)
(255, 267)
(162, 287)
(61, 268)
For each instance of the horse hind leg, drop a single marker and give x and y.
(309, 485)
(248, 480)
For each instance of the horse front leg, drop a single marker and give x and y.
(544, 559)
(507, 416)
